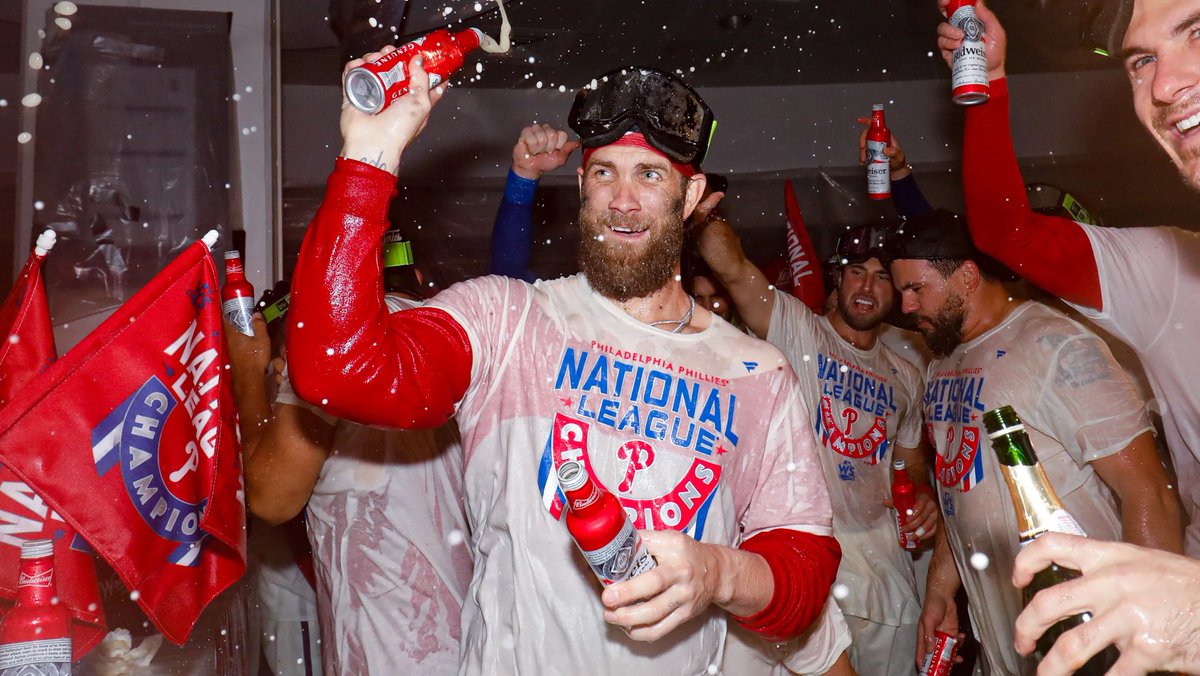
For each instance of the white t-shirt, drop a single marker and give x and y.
(390, 546)
(705, 433)
(1077, 405)
(1150, 285)
(863, 402)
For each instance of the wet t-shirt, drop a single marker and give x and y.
(1077, 405)
(704, 433)
(863, 403)
(390, 546)
(1150, 281)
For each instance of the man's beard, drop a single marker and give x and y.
(621, 271)
(946, 332)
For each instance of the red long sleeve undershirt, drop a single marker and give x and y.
(803, 567)
(408, 369)
(345, 351)
(1053, 253)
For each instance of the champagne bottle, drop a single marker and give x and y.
(1039, 511)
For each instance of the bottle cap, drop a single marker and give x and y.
(898, 465)
(36, 549)
(571, 475)
(877, 106)
(232, 254)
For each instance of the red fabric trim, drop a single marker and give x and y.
(346, 353)
(1053, 253)
(803, 567)
(636, 140)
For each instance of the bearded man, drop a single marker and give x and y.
(1091, 431)
(699, 430)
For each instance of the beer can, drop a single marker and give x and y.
(968, 63)
(939, 662)
(372, 86)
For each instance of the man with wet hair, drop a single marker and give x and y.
(698, 429)
(1091, 431)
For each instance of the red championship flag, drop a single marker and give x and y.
(808, 284)
(26, 352)
(146, 462)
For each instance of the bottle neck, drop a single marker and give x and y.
(234, 270)
(585, 500)
(900, 478)
(877, 121)
(36, 585)
(1037, 505)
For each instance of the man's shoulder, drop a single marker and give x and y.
(1137, 243)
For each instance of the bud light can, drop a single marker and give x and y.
(372, 86)
(939, 662)
(968, 63)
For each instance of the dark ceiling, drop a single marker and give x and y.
(713, 42)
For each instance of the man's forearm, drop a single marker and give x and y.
(748, 287)
(254, 411)
(1153, 520)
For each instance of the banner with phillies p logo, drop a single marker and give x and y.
(26, 350)
(147, 468)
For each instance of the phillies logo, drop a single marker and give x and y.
(690, 482)
(162, 436)
(640, 456)
(965, 467)
(871, 444)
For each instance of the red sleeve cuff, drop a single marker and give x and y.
(803, 567)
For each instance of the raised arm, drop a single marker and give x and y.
(907, 197)
(348, 355)
(540, 148)
(721, 248)
(1053, 253)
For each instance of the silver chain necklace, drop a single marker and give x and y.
(687, 318)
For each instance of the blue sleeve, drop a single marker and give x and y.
(512, 236)
(908, 199)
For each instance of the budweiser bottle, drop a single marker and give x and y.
(904, 499)
(1039, 511)
(941, 660)
(372, 86)
(35, 635)
(600, 527)
(237, 297)
(879, 172)
(968, 63)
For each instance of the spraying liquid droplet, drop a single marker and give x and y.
(489, 44)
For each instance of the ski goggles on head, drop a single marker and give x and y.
(1052, 200)
(668, 113)
(1104, 25)
(864, 242)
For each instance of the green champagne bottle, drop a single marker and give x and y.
(1039, 511)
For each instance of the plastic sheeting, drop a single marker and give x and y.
(134, 155)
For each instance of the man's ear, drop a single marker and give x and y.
(693, 192)
(579, 175)
(969, 275)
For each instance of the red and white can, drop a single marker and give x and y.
(372, 86)
(968, 63)
(939, 662)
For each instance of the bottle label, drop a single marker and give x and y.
(1060, 521)
(623, 558)
(969, 61)
(908, 541)
(879, 171)
(239, 311)
(42, 579)
(36, 658)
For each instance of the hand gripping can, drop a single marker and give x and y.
(372, 86)
(968, 63)
(939, 662)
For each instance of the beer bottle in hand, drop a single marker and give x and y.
(600, 527)
(1039, 511)
(35, 634)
